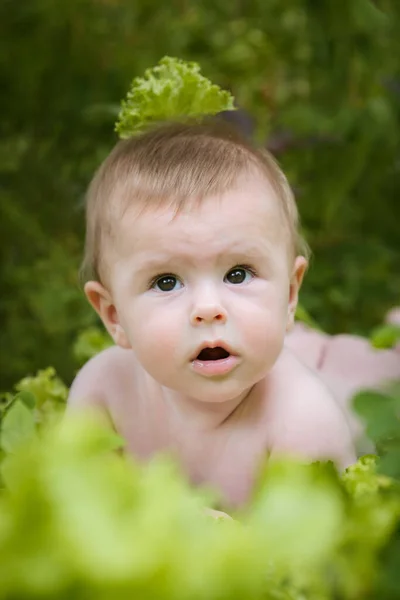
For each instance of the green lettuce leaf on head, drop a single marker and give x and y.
(172, 90)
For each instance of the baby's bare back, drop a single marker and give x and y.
(288, 412)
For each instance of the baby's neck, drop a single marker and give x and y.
(203, 416)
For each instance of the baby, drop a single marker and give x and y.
(194, 262)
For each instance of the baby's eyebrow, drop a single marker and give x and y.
(249, 249)
(236, 252)
(152, 264)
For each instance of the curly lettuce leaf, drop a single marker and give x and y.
(40, 400)
(79, 520)
(46, 386)
(362, 477)
(373, 515)
(173, 89)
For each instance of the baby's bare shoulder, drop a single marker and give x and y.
(310, 421)
(101, 377)
(295, 380)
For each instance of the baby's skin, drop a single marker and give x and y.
(290, 411)
(347, 364)
(199, 304)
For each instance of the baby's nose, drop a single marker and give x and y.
(207, 313)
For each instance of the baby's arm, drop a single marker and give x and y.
(94, 383)
(86, 389)
(314, 426)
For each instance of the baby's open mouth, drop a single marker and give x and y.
(214, 362)
(217, 353)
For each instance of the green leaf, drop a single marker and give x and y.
(361, 478)
(381, 413)
(299, 509)
(370, 404)
(6, 399)
(46, 387)
(18, 427)
(173, 89)
(386, 336)
(27, 398)
(99, 530)
(90, 342)
(390, 463)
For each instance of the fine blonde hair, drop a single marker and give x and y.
(174, 164)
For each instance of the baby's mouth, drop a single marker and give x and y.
(214, 362)
(209, 354)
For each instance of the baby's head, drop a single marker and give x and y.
(177, 165)
(193, 241)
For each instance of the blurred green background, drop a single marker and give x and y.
(319, 82)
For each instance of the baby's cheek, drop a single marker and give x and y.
(156, 341)
(265, 333)
(267, 320)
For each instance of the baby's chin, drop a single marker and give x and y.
(213, 392)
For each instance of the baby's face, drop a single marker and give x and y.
(203, 296)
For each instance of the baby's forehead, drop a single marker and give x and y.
(248, 184)
(246, 217)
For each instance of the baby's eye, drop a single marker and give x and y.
(166, 283)
(239, 275)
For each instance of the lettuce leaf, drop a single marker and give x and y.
(79, 520)
(173, 89)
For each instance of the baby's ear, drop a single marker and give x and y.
(102, 302)
(299, 268)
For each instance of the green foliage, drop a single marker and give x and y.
(304, 316)
(173, 89)
(17, 426)
(46, 387)
(362, 479)
(386, 336)
(90, 342)
(44, 311)
(39, 401)
(78, 520)
(380, 411)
